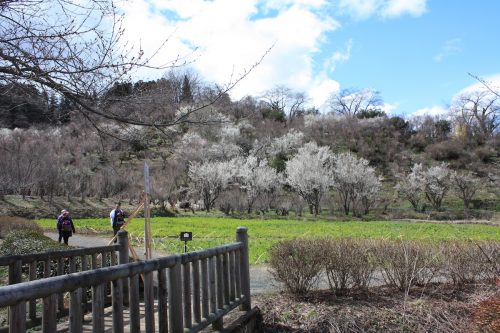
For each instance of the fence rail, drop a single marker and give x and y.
(193, 290)
(57, 263)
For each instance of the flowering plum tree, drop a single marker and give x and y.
(209, 179)
(355, 181)
(411, 186)
(257, 179)
(308, 173)
(436, 184)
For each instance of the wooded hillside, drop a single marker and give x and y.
(257, 154)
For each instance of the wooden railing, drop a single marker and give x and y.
(194, 290)
(56, 263)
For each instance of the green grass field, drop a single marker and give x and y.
(209, 231)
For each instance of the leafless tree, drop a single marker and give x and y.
(350, 102)
(285, 100)
(466, 185)
(477, 114)
(21, 157)
(76, 49)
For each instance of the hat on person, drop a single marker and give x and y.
(64, 211)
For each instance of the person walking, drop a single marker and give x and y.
(59, 220)
(67, 227)
(117, 219)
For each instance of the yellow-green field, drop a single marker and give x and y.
(209, 231)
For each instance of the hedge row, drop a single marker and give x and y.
(359, 263)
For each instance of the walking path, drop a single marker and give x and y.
(261, 281)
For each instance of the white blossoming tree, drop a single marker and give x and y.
(411, 186)
(355, 181)
(308, 173)
(278, 150)
(257, 179)
(286, 144)
(437, 184)
(209, 179)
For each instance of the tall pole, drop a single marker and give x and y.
(147, 228)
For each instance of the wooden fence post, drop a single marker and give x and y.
(123, 258)
(242, 236)
(17, 313)
(175, 298)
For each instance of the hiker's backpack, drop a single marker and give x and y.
(66, 225)
(119, 218)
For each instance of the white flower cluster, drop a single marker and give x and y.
(434, 183)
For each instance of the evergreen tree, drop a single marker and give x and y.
(186, 94)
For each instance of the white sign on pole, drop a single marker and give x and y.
(146, 178)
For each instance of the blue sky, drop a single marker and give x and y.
(423, 61)
(417, 53)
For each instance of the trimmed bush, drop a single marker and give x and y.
(405, 263)
(352, 263)
(297, 263)
(349, 263)
(468, 262)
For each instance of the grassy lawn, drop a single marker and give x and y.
(210, 231)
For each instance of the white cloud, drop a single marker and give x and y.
(338, 57)
(493, 82)
(390, 108)
(224, 38)
(395, 8)
(429, 111)
(230, 36)
(322, 87)
(363, 9)
(449, 48)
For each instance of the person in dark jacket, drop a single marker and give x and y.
(59, 219)
(117, 218)
(67, 227)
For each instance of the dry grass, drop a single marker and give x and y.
(9, 224)
(436, 308)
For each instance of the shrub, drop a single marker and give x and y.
(349, 263)
(162, 211)
(9, 224)
(405, 263)
(445, 151)
(26, 242)
(486, 154)
(297, 263)
(468, 262)
(364, 263)
(463, 262)
(491, 259)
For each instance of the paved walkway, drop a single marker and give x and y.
(261, 281)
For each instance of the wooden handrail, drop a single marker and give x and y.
(202, 286)
(12, 294)
(52, 255)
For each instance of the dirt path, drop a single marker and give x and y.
(261, 281)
